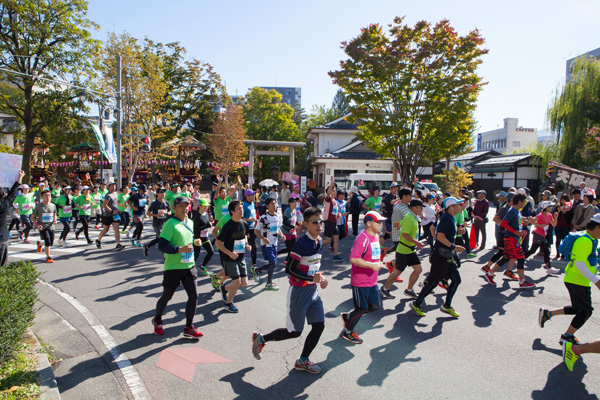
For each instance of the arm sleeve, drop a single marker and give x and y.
(292, 267)
(166, 247)
(583, 269)
(507, 226)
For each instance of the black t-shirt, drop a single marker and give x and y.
(140, 201)
(230, 233)
(447, 226)
(388, 208)
(201, 222)
(154, 209)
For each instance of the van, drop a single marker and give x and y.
(364, 182)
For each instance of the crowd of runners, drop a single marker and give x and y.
(404, 222)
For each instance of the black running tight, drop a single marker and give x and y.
(84, 227)
(66, 230)
(455, 280)
(139, 225)
(357, 313)
(207, 247)
(189, 284)
(311, 340)
(15, 222)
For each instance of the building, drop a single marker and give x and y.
(8, 128)
(593, 53)
(507, 139)
(466, 160)
(290, 95)
(502, 172)
(337, 152)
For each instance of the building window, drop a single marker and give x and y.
(516, 144)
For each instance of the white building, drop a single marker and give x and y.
(507, 139)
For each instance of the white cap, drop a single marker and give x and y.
(25, 186)
(85, 188)
(596, 218)
(545, 204)
(450, 201)
(354, 189)
(521, 191)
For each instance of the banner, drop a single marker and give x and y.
(10, 165)
(106, 147)
(571, 176)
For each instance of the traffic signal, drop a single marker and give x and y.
(146, 144)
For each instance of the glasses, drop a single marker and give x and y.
(317, 221)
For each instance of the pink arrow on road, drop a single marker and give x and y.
(181, 362)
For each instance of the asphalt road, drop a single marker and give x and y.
(97, 305)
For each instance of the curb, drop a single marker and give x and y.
(46, 378)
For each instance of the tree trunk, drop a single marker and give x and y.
(30, 135)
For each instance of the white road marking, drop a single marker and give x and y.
(135, 383)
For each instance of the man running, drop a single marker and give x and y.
(330, 211)
(110, 217)
(250, 218)
(44, 218)
(303, 300)
(268, 228)
(159, 211)
(26, 204)
(84, 204)
(138, 202)
(65, 212)
(175, 242)
(366, 263)
(202, 226)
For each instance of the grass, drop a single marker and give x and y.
(18, 377)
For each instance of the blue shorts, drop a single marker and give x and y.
(269, 253)
(364, 297)
(64, 219)
(303, 302)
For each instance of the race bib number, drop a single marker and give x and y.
(375, 251)
(25, 206)
(377, 207)
(117, 217)
(225, 210)
(239, 246)
(98, 200)
(67, 209)
(273, 228)
(314, 264)
(162, 214)
(86, 207)
(187, 257)
(204, 233)
(334, 210)
(142, 202)
(47, 217)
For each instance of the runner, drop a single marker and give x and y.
(579, 276)
(373, 203)
(138, 203)
(388, 208)
(158, 210)
(406, 252)
(75, 212)
(572, 352)
(303, 299)
(250, 218)
(401, 208)
(84, 203)
(97, 207)
(26, 203)
(131, 225)
(65, 211)
(444, 259)
(110, 216)
(541, 222)
(330, 211)
(232, 246)
(267, 229)
(222, 200)
(175, 242)
(288, 226)
(513, 232)
(123, 208)
(366, 263)
(342, 215)
(201, 228)
(44, 218)
(429, 219)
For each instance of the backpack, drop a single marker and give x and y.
(566, 247)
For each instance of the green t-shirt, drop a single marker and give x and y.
(582, 248)
(25, 203)
(221, 207)
(64, 210)
(223, 221)
(122, 199)
(185, 194)
(55, 194)
(103, 192)
(178, 235)
(410, 225)
(97, 199)
(373, 202)
(170, 197)
(460, 220)
(86, 202)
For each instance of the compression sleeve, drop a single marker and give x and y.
(583, 269)
(506, 226)
(292, 267)
(166, 247)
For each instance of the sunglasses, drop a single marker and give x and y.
(317, 221)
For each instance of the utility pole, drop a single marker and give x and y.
(119, 122)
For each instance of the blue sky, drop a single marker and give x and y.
(268, 43)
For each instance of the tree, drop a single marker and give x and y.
(227, 140)
(412, 90)
(339, 106)
(456, 178)
(575, 109)
(44, 39)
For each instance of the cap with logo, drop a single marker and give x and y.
(181, 199)
(373, 216)
(450, 201)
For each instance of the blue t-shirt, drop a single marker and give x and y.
(140, 201)
(249, 212)
(447, 226)
(515, 221)
(342, 205)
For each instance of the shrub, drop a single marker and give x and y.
(18, 296)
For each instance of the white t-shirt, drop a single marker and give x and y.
(428, 214)
(269, 226)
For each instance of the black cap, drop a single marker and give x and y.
(180, 199)
(375, 188)
(143, 187)
(415, 203)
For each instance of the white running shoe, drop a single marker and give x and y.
(552, 271)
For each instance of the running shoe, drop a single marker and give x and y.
(231, 308)
(139, 243)
(39, 246)
(20, 235)
(485, 268)
(214, 281)
(511, 275)
(471, 255)
(449, 310)
(158, 328)
(223, 293)
(119, 246)
(389, 266)
(552, 271)
(123, 231)
(146, 250)
(330, 250)
(571, 339)
(254, 274)
(77, 235)
(127, 234)
(271, 286)
(489, 279)
(49, 260)
(26, 241)
(543, 316)
(97, 227)
(98, 244)
(60, 243)
(90, 242)
(307, 366)
(9, 235)
(201, 268)
(410, 293)
(526, 285)
(338, 259)
(417, 309)
(344, 319)
(352, 337)
(385, 293)
(192, 333)
(257, 346)
(443, 285)
(569, 356)
(64, 243)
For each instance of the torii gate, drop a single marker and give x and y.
(253, 152)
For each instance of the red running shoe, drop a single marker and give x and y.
(39, 246)
(389, 266)
(489, 279)
(191, 332)
(526, 285)
(511, 275)
(49, 260)
(158, 328)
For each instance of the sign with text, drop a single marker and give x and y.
(303, 184)
(571, 176)
(10, 165)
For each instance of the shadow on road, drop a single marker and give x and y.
(562, 384)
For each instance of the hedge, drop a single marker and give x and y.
(18, 296)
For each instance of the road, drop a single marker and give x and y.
(97, 305)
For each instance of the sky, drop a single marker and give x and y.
(280, 43)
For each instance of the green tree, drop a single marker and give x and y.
(44, 39)
(575, 109)
(339, 105)
(413, 90)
